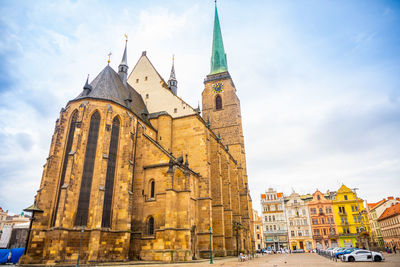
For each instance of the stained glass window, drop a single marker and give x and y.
(112, 158)
(70, 140)
(87, 175)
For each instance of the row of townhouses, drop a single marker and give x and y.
(322, 220)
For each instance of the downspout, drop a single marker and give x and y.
(134, 154)
(133, 178)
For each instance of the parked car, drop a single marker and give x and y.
(328, 250)
(268, 251)
(345, 251)
(363, 255)
(333, 251)
(336, 251)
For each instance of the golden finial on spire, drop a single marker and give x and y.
(173, 58)
(126, 37)
(109, 57)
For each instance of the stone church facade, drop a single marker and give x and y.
(134, 172)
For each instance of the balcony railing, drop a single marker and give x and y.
(277, 232)
(317, 235)
(342, 213)
(348, 234)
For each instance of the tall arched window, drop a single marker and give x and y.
(70, 140)
(152, 187)
(87, 175)
(112, 158)
(150, 226)
(218, 102)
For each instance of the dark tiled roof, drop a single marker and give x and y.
(157, 114)
(108, 86)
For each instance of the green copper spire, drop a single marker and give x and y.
(218, 57)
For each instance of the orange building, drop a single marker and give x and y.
(258, 230)
(323, 226)
(389, 223)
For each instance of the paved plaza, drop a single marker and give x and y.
(278, 260)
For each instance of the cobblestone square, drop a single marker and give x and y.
(290, 260)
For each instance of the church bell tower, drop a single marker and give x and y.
(220, 104)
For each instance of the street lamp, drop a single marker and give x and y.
(211, 255)
(80, 245)
(33, 208)
(362, 228)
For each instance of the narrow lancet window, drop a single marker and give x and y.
(152, 187)
(150, 226)
(87, 175)
(70, 140)
(218, 102)
(112, 159)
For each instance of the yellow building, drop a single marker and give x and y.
(351, 219)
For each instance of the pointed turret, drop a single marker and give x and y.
(123, 66)
(172, 82)
(218, 57)
(87, 88)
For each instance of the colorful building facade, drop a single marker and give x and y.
(375, 210)
(351, 218)
(298, 222)
(389, 223)
(258, 230)
(323, 225)
(274, 220)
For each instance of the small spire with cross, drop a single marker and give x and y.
(109, 58)
(126, 37)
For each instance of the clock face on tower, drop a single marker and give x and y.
(217, 88)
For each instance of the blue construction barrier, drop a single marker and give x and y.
(16, 253)
(4, 255)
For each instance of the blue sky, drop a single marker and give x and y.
(318, 81)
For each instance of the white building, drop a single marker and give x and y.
(298, 222)
(274, 221)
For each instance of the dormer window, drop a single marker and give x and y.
(137, 80)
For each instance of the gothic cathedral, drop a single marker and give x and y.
(135, 173)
